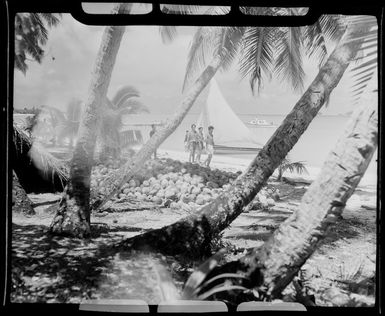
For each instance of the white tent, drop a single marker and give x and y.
(229, 130)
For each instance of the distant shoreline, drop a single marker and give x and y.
(229, 163)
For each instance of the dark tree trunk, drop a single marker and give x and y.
(20, 200)
(194, 233)
(296, 239)
(127, 171)
(73, 215)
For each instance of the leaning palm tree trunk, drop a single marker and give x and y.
(194, 233)
(296, 239)
(114, 183)
(73, 215)
(20, 201)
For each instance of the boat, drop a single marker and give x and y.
(261, 122)
(231, 135)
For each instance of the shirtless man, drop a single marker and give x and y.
(209, 146)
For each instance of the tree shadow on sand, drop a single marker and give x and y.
(46, 267)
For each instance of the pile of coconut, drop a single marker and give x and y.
(168, 183)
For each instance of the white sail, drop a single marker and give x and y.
(229, 130)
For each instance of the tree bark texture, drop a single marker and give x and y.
(297, 238)
(128, 170)
(193, 233)
(20, 200)
(73, 215)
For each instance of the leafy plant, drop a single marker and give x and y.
(197, 287)
(287, 165)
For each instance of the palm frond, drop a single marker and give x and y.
(328, 27)
(52, 19)
(42, 159)
(288, 64)
(38, 28)
(123, 94)
(180, 9)
(48, 164)
(201, 47)
(221, 288)
(199, 275)
(257, 56)
(169, 32)
(298, 167)
(365, 70)
(218, 277)
(333, 26)
(228, 45)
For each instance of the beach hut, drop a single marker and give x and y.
(230, 133)
(136, 128)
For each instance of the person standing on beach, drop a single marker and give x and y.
(209, 146)
(186, 141)
(192, 141)
(152, 132)
(201, 146)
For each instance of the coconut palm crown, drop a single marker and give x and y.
(31, 34)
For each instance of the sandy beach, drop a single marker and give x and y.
(350, 247)
(229, 163)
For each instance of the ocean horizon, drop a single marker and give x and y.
(312, 148)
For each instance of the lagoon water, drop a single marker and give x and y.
(312, 148)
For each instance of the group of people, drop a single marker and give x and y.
(196, 143)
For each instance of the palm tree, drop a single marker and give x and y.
(194, 233)
(286, 164)
(31, 35)
(222, 45)
(295, 240)
(125, 101)
(73, 216)
(20, 200)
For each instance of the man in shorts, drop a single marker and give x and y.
(152, 132)
(209, 146)
(192, 143)
(201, 144)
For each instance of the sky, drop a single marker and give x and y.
(154, 68)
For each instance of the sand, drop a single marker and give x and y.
(350, 248)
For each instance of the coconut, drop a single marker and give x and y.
(186, 198)
(164, 183)
(207, 198)
(160, 193)
(211, 184)
(196, 190)
(170, 193)
(132, 183)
